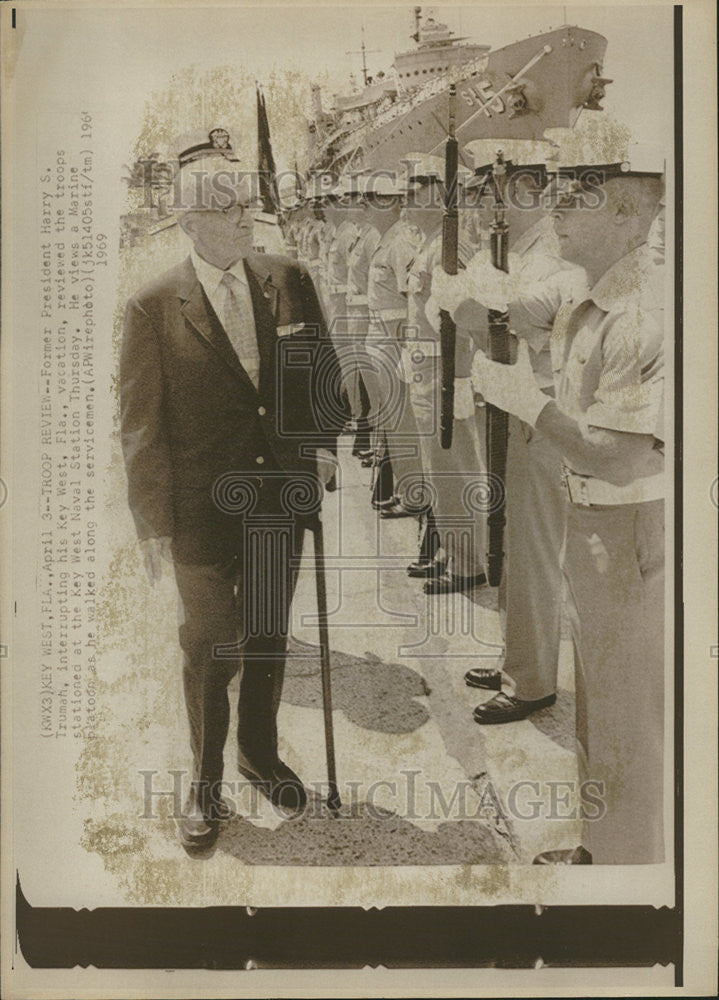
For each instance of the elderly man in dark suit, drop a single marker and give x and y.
(230, 395)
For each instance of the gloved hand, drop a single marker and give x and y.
(480, 281)
(463, 398)
(431, 311)
(510, 387)
(447, 289)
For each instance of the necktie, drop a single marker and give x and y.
(240, 327)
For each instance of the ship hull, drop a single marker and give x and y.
(516, 92)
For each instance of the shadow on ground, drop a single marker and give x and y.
(372, 694)
(362, 834)
(557, 721)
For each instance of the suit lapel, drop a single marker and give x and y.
(198, 311)
(265, 304)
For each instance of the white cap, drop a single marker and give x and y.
(423, 168)
(383, 185)
(320, 186)
(520, 152)
(574, 151)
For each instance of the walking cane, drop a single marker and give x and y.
(333, 799)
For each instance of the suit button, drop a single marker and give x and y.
(260, 460)
(261, 410)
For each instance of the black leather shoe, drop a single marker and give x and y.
(381, 504)
(426, 568)
(198, 832)
(363, 453)
(569, 856)
(397, 510)
(278, 783)
(506, 708)
(450, 583)
(483, 677)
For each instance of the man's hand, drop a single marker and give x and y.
(480, 281)
(154, 550)
(463, 399)
(447, 289)
(510, 387)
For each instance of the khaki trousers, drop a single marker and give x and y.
(614, 567)
(531, 587)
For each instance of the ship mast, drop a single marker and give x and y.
(363, 50)
(417, 22)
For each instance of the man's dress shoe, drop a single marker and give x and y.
(426, 568)
(450, 583)
(381, 504)
(198, 823)
(363, 453)
(277, 782)
(483, 677)
(506, 708)
(397, 510)
(569, 856)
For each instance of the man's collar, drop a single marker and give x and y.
(210, 276)
(624, 280)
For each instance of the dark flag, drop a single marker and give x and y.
(265, 159)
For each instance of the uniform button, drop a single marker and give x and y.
(261, 410)
(260, 460)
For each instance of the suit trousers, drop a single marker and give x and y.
(234, 615)
(531, 588)
(614, 566)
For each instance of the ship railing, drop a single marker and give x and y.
(431, 88)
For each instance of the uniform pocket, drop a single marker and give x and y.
(649, 538)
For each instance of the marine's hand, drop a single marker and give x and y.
(463, 399)
(510, 387)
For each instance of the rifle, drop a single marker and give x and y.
(498, 420)
(450, 239)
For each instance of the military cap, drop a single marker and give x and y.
(217, 143)
(209, 177)
(423, 169)
(571, 174)
(382, 185)
(320, 187)
(527, 156)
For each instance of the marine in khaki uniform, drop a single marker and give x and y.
(343, 210)
(458, 562)
(607, 352)
(391, 413)
(358, 262)
(531, 588)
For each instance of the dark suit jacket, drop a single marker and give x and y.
(190, 414)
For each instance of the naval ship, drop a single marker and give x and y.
(514, 92)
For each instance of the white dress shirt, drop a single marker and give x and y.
(241, 327)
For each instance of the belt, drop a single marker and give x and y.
(335, 289)
(586, 491)
(356, 300)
